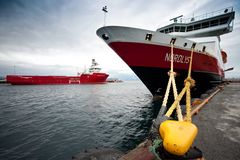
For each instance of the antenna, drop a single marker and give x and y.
(193, 19)
(104, 9)
(14, 69)
(85, 69)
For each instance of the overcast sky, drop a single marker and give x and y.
(58, 37)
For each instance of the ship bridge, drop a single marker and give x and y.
(210, 24)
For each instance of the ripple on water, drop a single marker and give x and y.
(56, 122)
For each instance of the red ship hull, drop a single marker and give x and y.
(49, 80)
(156, 56)
(93, 78)
(151, 63)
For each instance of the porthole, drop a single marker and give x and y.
(105, 37)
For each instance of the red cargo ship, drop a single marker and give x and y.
(92, 76)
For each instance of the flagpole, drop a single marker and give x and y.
(104, 18)
(104, 9)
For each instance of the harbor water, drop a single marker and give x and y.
(57, 121)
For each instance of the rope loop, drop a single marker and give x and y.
(190, 81)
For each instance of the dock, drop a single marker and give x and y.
(219, 125)
(218, 130)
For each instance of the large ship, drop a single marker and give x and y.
(147, 52)
(93, 75)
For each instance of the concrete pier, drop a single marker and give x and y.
(219, 125)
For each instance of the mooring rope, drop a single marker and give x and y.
(188, 82)
(171, 82)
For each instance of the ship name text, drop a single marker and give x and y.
(177, 58)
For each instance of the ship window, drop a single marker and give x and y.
(205, 24)
(162, 31)
(224, 20)
(148, 37)
(204, 49)
(182, 29)
(177, 28)
(173, 40)
(166, 30)
(214, 23)
(185, 44)
(189, 28)
(170, 29)
(197, 26)
(193, 45)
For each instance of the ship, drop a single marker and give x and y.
(91, 76)
(147, 52)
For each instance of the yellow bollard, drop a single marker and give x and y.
(177, 136)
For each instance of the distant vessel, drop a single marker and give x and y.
(114, 80)
(92, 76)
(147, 52)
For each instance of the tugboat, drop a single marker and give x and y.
(91, 77)
(147, 52)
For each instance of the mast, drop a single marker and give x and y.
(14, 69)
(104, 9)
(93, 68)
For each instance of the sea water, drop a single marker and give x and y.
(58, 121)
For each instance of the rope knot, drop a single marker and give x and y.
(190, 80)
(172, 73)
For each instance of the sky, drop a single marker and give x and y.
(58, 37)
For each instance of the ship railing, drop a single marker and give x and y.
(206, 15)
